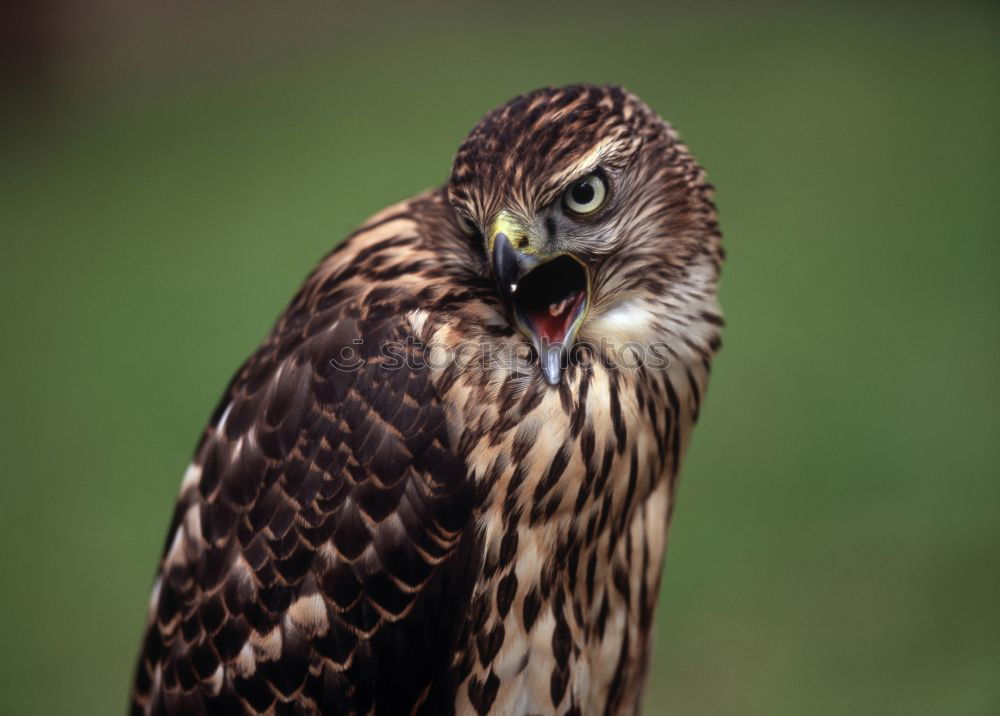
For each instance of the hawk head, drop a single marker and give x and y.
(596, 222)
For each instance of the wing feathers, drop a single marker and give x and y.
(318, 554)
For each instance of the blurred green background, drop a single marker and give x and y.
(168, 177)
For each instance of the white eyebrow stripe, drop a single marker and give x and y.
(588, 163)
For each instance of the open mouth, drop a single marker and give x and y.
(551, 298)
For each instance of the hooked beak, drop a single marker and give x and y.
(548, 295)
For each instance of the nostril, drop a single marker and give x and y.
(522, 242)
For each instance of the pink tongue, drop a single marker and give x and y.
(553, 322)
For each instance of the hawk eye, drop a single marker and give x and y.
(585, 195)
(467, 226)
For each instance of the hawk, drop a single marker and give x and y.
(443, 484)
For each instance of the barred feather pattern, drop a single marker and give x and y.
(370, 530)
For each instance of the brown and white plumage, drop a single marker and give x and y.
(399, 505)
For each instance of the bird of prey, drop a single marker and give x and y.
(443, 483)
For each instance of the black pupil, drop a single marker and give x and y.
(583, 193)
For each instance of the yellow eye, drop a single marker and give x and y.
(586, 195)
(467, 225)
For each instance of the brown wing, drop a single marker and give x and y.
(318, 558)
